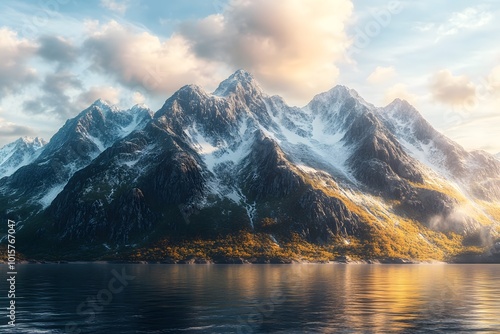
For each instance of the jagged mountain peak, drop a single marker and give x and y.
(33, 143)
(218, 115)
(188, 95)
(19, 153)
(402, 109)
(340, 92)
(406, 120)
(102, 103)
(36, 142)
(100, 124)
(239, 81)
(192, 89)
(242, 76)
(103, 106)
(337, 97)
(397, 102)
(139, 106)
(101, 110)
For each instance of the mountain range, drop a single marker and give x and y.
(339, 174)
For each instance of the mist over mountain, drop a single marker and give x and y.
(338, 171)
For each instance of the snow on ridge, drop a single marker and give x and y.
(6, 152)
(312, 148)
(216, 155)
(133, 125)
(224, 154)
(97, 142)
(426, 152)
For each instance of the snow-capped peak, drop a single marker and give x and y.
(402, 109)
(19, 153)
(104, 106)
(242, 75)
(240, 80)
(36, 142)
(139, 106)
(194, 89)
(102, 103)
(399, 103)
(338, 95)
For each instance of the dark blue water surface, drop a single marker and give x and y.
(308, 298)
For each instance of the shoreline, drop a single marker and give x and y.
(462, 259)
(295, 262)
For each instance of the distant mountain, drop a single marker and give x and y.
(73, 147)
(338, 173)
(497, 155)
(19, 153)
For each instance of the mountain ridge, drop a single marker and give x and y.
(238, 160)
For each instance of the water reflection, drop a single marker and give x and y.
(263, 298)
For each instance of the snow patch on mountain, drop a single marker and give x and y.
(304, 136)
(138, 121)
(221, 159)
(131, 163)
(428, 155)
(97, 142)
(51, 194)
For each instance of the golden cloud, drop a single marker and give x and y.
(453, 90)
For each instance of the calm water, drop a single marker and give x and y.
(255, 299)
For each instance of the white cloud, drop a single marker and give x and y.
(12, 130)
(291, 46)
(470, 18)
(58, 49)
(119, 6)
(423, 27)
(254, 35)
(55, 98)
(381, 74)
(467, 19)
(15, 53)
(143, 62)
(494, 80)
(138, 98)
(453, 90)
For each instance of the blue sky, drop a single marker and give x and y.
(60, 55)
